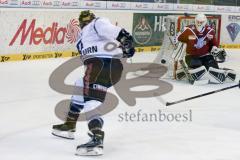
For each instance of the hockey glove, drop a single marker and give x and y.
(218, 54)
(126, 42)
(128, 52)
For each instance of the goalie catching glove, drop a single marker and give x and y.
(219, 54)
(126, 42)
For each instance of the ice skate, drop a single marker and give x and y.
(65, 130)
(94, 147)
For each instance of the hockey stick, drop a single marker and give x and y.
(178, 56)
(190, 77)
(185, 69)
(198, 96)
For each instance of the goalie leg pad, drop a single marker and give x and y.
(199, 73)
(230, 75)
(217, 75)
(180, 74)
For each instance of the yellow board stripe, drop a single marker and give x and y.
(63, 54)
(230, 46)
(148, 49)
(37, 56)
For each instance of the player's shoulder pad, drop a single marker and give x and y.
(102, 21)
(189, 27)
(209, 28)
(99, 23)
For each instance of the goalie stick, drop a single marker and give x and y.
(178, 57)
(198, 96)
(185, 69)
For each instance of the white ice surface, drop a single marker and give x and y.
(27, 114)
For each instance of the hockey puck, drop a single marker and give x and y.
(163, 61)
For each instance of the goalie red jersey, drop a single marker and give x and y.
(198, 43)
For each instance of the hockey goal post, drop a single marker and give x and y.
(170, 54)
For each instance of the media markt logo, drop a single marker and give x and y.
(142, 32)
(54, 33)
(233, 30)
(73, 30)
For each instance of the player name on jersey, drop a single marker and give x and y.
(88, 50)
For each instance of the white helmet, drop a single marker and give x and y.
(200, 21)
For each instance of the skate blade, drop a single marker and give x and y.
(63, 134)
(89, 151)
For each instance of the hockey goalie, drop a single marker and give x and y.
(202, 55)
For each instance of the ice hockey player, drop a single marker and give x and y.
(201, 53)
(103, 70)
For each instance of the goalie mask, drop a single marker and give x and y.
(85, 18)
(200, 21)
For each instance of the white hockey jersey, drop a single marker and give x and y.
(98, 39)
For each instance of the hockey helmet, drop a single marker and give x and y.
(200, 21)
(85, 17)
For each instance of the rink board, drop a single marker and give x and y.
(48, 33)
(34, 31)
